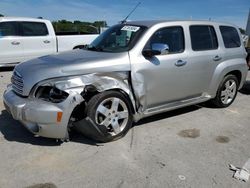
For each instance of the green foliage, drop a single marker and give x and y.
(1, 15)
(78, 26)
(242, 31)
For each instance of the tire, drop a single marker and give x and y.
(227, 92)
(111, 113)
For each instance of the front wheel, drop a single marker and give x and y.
(227, 92)
(111, 113)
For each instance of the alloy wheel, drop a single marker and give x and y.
(113, 114)
(229, 91)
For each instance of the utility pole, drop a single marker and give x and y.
(248, 42)
(248, 29)
(248, 24)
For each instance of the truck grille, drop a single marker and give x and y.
(17, 82)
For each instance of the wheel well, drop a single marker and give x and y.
(79, 112)
(91, 91)
(237, 74)
(127, 96)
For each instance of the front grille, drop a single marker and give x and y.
(17, 82)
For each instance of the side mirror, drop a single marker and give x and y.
(157, 49)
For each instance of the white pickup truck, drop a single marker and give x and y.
(22, 39)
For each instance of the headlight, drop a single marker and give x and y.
(51, 94)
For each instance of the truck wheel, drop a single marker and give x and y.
(111, 112)
(227, 92)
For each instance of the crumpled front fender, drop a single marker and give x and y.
(101, 81)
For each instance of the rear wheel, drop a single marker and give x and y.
(227, 92)
(111, 113)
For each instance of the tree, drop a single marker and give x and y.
(242, 31)
(100, 24)
(65, 26)
(1, 15)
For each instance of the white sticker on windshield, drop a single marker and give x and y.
(130, 28)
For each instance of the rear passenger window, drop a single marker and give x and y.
(203, 37)
(230, 37)
(8, 29)
(172, 36)
(34, 29)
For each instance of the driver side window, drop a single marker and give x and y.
(172, 36)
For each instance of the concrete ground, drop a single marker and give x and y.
(190, 147)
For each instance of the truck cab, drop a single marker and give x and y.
(22, 39)
(25, 38)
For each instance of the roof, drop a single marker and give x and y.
(20, 19)
(150, 23)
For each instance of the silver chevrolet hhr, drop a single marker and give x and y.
(131, 71)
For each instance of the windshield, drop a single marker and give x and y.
(118, 38)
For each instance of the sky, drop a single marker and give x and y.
(113, 11)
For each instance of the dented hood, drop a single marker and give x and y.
(75, 62)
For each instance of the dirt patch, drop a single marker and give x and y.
(222, 139)
(43, 185)
(189, 133)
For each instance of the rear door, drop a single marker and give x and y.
(205, 54)
(36, 40)
(10, 45)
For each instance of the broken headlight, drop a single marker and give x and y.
(51, 94)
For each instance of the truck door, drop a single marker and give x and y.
(10, 45)
(36, 40)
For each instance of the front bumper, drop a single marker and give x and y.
(41, 117)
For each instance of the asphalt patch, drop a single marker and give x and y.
(222, 139)
(189, 133)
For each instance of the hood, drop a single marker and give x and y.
(75, 62)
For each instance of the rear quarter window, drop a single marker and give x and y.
(203, 37)
(34, 29)
(230, 37)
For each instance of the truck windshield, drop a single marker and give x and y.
(118, 38)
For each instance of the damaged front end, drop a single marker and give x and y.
(72, 94)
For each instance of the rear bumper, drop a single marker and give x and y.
(38, 116)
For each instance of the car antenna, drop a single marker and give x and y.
(125, 20)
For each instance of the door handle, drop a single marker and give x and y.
(217, 58)
(15, 43)
(180, 63)
(46, 41)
